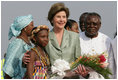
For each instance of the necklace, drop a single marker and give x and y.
(27, 41)
(44, 57)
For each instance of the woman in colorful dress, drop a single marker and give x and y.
(39, 63)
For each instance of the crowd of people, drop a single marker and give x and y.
(35, 49)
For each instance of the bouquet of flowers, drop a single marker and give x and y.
(96, 62)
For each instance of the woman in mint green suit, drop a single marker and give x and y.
(63, 44)
(69, 49)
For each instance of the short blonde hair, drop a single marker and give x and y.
(55, 8)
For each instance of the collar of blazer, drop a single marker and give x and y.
(54, 42)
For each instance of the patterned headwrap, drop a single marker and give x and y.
(19, 23)
(37, 29)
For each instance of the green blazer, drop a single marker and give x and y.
(69, 49)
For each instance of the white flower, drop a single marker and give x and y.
(60, 66)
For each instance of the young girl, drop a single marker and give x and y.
(39, 63)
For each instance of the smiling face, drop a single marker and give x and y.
(59, 20)
(93, 25)
(42, 38)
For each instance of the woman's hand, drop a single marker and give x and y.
(81, 70)
(26, 58)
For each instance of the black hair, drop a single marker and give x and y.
(70, 23)
(83, 15)
(31, 38)
(95, 14)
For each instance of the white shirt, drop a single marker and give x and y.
(98, 45)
